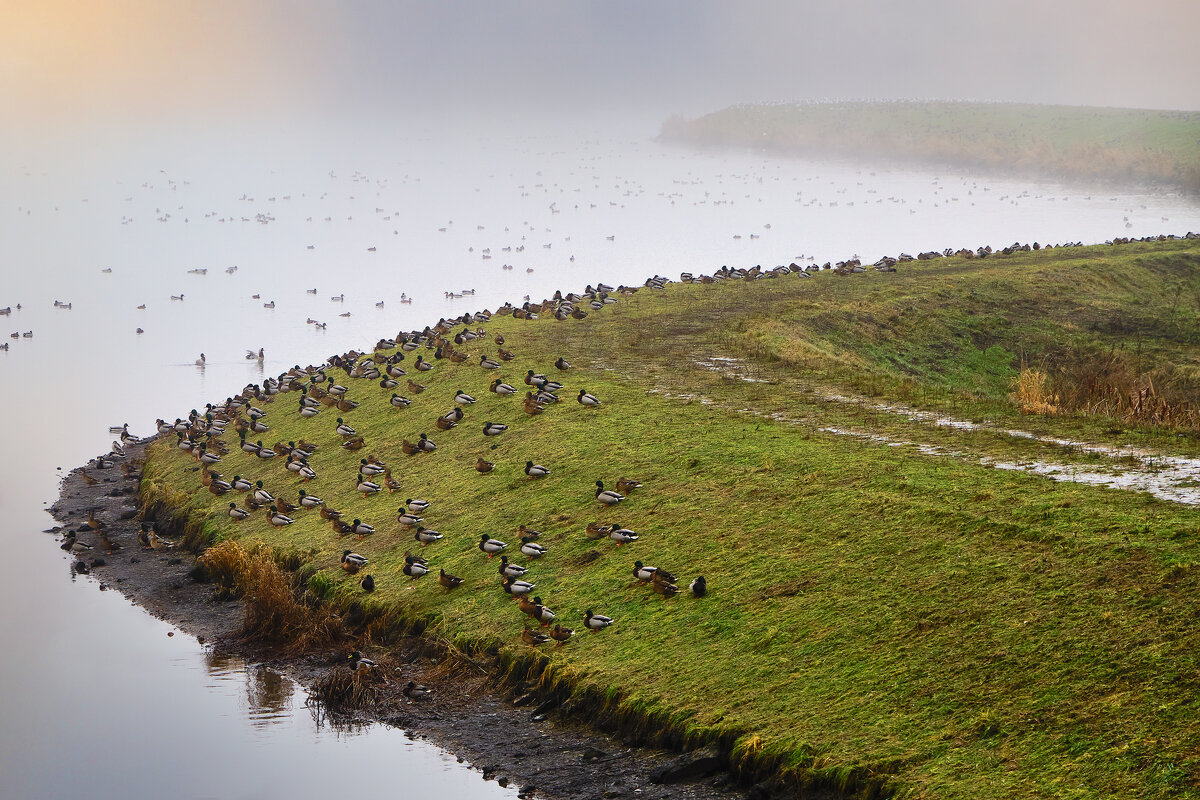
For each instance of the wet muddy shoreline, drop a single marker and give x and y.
(540, 752)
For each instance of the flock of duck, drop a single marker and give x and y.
(328, 387)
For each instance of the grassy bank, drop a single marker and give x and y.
(877, 619)
(1107, 144)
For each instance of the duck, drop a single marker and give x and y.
(368, 583)
(72, 545)
(261, 495)
(533, 638)
(361, 528)
(531, 406)
(627, 485)
(241, 484)
(399, 401)
(423, 365)
(371, 468)
(414, 387)
(493, 428)
(107, 544)
(354, 443)
(307, 411)
(531, 548)
(329, 513)
(698, 587)
(517, 587)
(445, 423)
(344, 429)
(535, 379)
(408, 448)
(463, 399)
(358, 662)
(413, 568)
(489, 545)
(508, 570)
(391, 483)
(642, 572)
(621, 535)
(488, 363)
(589, 400)
(157, 542)
(499, 387)
(484, 467)
(505, 355)
(365, 486)
(341, 528)
(527, 533)
(279, 519)
(425, 444)
(407, 518)
(416, 505)
(352, 562)
(536, 470)
(543, 397)
(426, 536)
(541, 613)
(662, 585)
(237, 513)
(596, 622)
(247, 447)
(595, 530)
(607, 496)
(310, 500)
(448, 580)
(562, 363)
(207, 458)
(417, 692)
(560, 634)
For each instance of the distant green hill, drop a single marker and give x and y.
(887, 610)
(1127, 145)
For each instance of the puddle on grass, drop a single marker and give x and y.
(1174, 478)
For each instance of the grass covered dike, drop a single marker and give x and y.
(1117, 144)
(877, 622)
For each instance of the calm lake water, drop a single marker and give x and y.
(96, 699)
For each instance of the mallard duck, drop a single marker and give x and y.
(531, 548)
(505, 355)
(535, 379)
(642, 572)
(306, 473)
(72, 545)
(607, 496)
(310, 500)
(365, 486)
(341, 528)
(344, 429)
(307, 411)
(444, 423)
(517, 587)
(415, 388)
(157, 542)
(417, 692)
(493, 428)
(663, 586)
(595, 530)
(426, 536)
(489, 545)
(107, 544)
(361, 528)
(218, 486)
(562, 363)
(448, 580)
(484, 467)
(533, 638)
(698, 586)
(408, 448)
(463, 399)
(391, 483)
(527, 533)
(207, 458)
(336, 389)
(264, 452)
(399, 401)
(358, 661)
(627, 485)
(241, 484)
(425, 444)
(329, 513)
(536, 470)
(413, 568)
(278, 518)
(560, 634)
(594, 622)
(543, 397)
(247, 447)
(589, 400)
(488, 363)
(531, 406)
(541, 613)
(370, 469)
(621, 535)
(510, 570)
(352, 562)
(499, 387)
(261, 495)
(423, 365)
(407, 518)
(416, 505)
(237, 513)
(368, 583)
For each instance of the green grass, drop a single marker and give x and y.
(1080, 142)
(876, 619)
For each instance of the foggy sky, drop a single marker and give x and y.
(149, 60)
